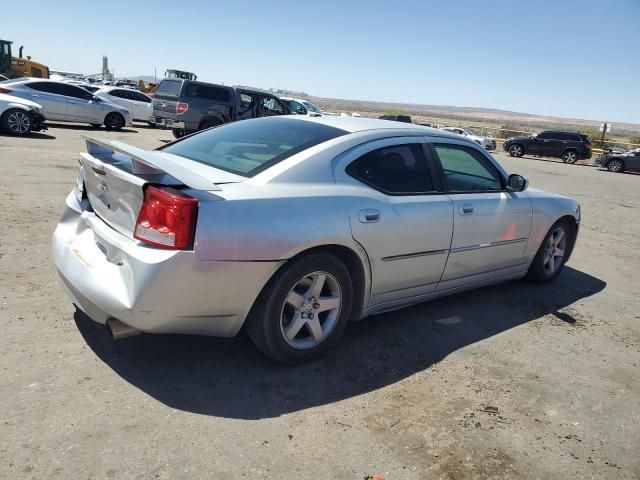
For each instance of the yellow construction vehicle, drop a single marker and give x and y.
(15, 67)
(170, 73)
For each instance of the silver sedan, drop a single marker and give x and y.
(293, 226)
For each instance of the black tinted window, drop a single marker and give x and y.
(466, 169)
(139, 97)
(77, 92)
(545, 135)
(118, 93)
(396, 170)
(48, 87)
(209, 92)
(251, 146)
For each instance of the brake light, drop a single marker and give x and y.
(181, 108)
(4, 90)
(167, 219)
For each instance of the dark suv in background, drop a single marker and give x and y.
(568, 146)
(186, 106)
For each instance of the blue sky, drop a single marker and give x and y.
(552, 57)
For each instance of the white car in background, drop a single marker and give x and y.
(487, 143)
(19, 116)
(69, 103)
(139, 104)
(299, 106)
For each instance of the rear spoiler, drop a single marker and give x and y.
(144, 162)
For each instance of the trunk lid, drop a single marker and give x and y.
(115, 174)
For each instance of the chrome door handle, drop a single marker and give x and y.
(466, 209)
(369, 215)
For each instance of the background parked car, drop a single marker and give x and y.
(139, 104)
(186, 106)
(487, 143)
(19, 116)
(300, 106)
(396, 118)
(620, 162)
(566, 145)
(69, 103)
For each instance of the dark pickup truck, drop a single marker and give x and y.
(186, 106)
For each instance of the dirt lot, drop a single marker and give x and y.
(511, 381)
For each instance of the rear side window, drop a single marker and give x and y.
(249, 147)
(395, 170)
(466, 169)
(48, 87)
(208, 92)
(169, 88)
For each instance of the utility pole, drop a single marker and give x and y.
(604, 131)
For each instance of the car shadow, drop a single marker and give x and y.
(229, 378)
(30, 135)
(88, 128)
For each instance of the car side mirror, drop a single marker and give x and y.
(517, 183)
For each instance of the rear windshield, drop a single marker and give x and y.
(169, 87)
(249, 147)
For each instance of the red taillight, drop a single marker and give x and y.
(4, 90)
(167, 219)
(181, 107)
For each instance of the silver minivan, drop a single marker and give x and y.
(69, 103)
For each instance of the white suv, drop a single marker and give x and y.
(487, 143)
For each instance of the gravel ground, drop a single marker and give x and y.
(511, 381)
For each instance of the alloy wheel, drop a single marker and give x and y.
(615, 165)
(311, 310)
(570, 157)
(554, 251)
(515, 151)
(19, 122)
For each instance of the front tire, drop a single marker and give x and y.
(178, 133)
(570, 156)
(516, 150)
(615, 166)
(114, 121)
(303, 310)
(553, 251)
(16, 122)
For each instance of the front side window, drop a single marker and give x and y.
(250, 147)
(76, 92)
(395, 170)
(466, 169)
(117, 94)
(272, 106)
(544, 135)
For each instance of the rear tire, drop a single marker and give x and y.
(178, 133)
(615, 166)
(516, 150)
(570, 156)
(114, 121)
(16, 121)
(552, 253)
(303, 309)
(209, 124)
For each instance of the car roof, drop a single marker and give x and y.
(361, 124)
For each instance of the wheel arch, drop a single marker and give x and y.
(357, 263)
(210, 118)
(574, 226)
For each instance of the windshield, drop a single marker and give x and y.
(311, 106)
(251, 146)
